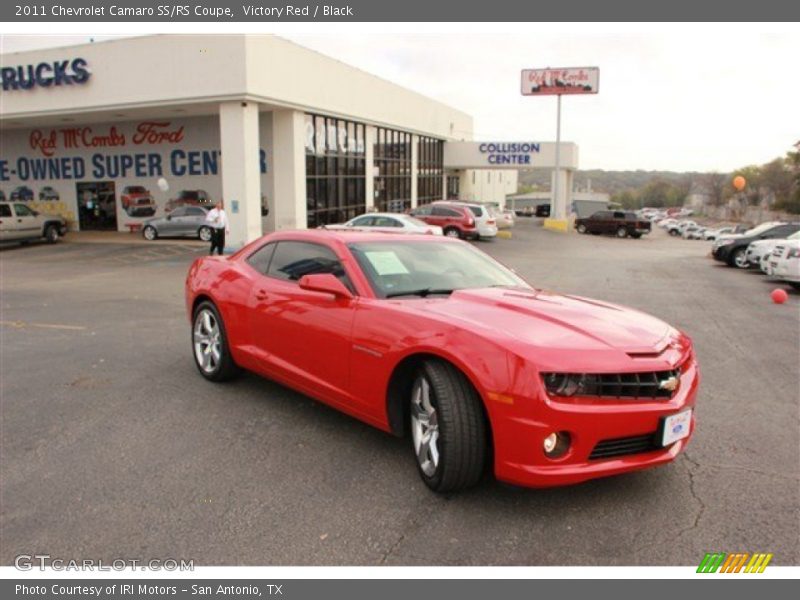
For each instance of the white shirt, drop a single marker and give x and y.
(217, 218)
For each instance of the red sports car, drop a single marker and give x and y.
(428, 336)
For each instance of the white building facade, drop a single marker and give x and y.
(113, 133)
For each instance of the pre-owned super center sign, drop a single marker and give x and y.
(554, 82)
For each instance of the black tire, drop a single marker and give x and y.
(794, 284)
(674, 232)
(462, 444)
(581, 228)
(225, 368)
(636, 236)
(622, 233)
(51, 234)
(452, 232)
(150, 233)
(204, 234)
(738, 258)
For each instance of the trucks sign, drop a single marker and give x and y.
(557, 82)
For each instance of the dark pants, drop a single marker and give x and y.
(217, 240)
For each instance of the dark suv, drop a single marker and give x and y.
(622, 224)
(732, 249)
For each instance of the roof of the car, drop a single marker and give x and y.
(382, 214)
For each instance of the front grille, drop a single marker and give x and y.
(649, 384)
(630, 385)
(624, 446)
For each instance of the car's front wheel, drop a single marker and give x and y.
(210, 344)
(448, 428)
(204, 234)
(51, 234)
(149, 233)
(452, 232)
(738, 259)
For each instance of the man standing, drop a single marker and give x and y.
(218, 221)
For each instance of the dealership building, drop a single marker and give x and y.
(110, 134)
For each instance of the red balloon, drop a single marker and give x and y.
(779, 296)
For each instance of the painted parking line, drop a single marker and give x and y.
(24, 324)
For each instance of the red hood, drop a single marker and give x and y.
(554, 326)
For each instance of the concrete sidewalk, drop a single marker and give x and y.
(124, 237)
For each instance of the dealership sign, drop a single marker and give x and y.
(45, 74)
(556, 82)
(507, 155)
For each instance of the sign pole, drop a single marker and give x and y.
(559, 213)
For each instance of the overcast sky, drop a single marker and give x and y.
(704, 99)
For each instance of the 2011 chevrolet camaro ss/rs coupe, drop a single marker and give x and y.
(430, 338)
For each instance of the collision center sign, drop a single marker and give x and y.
(556, 82)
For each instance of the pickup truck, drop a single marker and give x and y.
(619, 223)
(20, 223)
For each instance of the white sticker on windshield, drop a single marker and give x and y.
(386, 263)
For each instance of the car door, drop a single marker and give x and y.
(195, 219)
(176, 222)
(303, 335)
(24, 223)
(8, 229)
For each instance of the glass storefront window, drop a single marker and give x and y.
(430, 175)
(335, 170)
(392, 164)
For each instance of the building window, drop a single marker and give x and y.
(430, 174)
(453, 184)
(335, 170)
(392, 162)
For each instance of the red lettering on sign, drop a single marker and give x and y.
(44, 143)
(157, 132)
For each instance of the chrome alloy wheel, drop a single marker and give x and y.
(424, 427)
(207, 341)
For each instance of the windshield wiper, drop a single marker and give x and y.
(423, 292)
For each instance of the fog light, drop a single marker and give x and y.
(556, 444)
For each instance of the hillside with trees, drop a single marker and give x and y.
(775, 185)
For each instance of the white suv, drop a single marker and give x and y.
(485, 221)
(20, 223)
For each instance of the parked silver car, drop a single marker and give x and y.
(184, 221)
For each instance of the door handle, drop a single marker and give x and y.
(261, 295)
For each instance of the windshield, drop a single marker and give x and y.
(136, 189)
(422, 268)
(415, 221)
(760, 228)
(794, 236)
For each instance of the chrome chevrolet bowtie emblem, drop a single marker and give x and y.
(670, 384)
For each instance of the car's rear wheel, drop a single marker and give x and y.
(738, 259)
(150, 233)
(636, 236)
(51, 234)
(210, 344)
(448, 428)
(204, 234)
(452, 232)
(622, 232)
(581, 228)
(674, 232)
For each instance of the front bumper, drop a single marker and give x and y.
(518, 435)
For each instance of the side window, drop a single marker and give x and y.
(22, 210)
(363, 222)
(387, 222)
(5, 210)
(422, 211)
(178, 212)
(292, 260)
(259, 259)
(195, 212)
(619, 215)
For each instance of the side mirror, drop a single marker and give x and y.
(325, 283)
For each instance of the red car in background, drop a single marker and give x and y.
(431, 338)
(455, 220)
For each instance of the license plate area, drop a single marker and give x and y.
(673, 428)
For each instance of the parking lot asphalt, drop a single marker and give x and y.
(113, 446)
